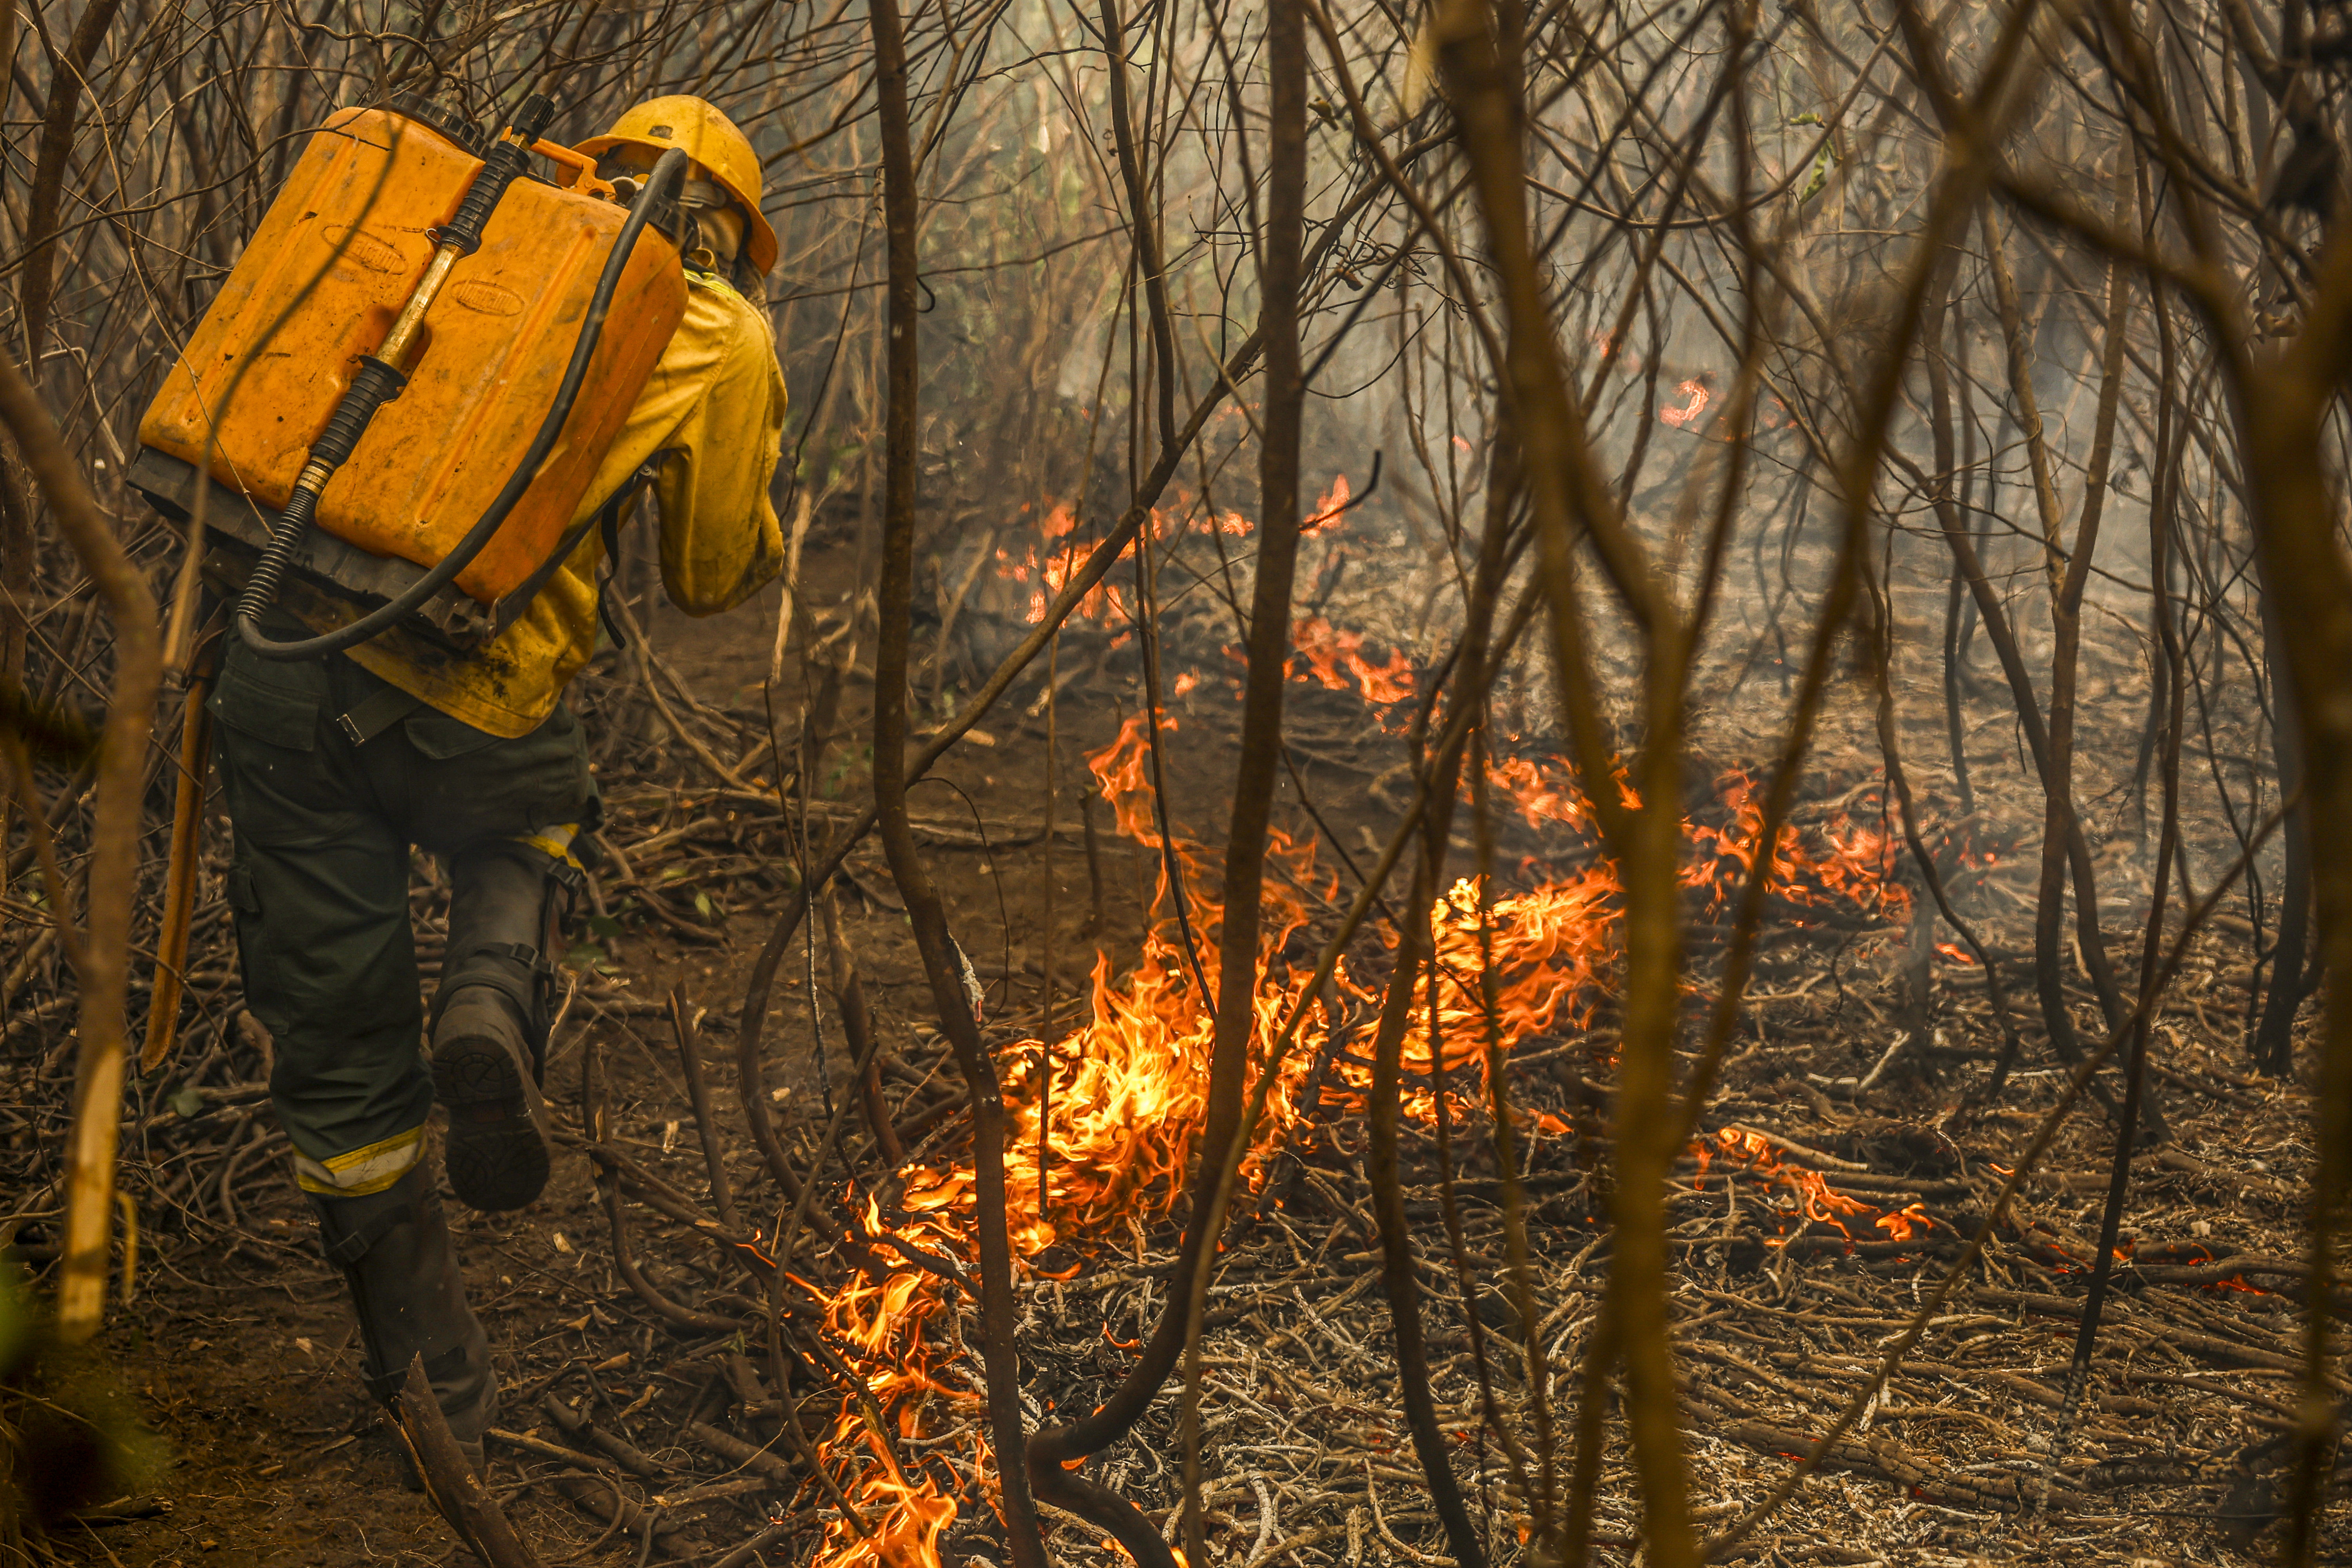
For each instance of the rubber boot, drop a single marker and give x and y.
(395, 1250)
(489, 1025)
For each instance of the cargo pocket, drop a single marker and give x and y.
(241, 896)
(275, 771)
(275, 703)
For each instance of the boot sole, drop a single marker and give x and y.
(494, 1166)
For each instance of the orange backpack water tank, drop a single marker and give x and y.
(319, 285)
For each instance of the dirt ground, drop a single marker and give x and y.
(240, 1353)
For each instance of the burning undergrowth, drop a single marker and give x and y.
(1104, 1120)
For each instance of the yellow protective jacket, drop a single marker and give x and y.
(713, 414)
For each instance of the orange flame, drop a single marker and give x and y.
(1328, 509)
(1541, 795)
(1336, 658)
(882, 1331)
(1046, 556)
(1817, 1200)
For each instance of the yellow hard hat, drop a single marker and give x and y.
(712, 139)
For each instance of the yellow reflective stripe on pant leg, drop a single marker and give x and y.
(555, 842)
(362, 1171)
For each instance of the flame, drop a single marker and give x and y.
(1129, 1086)
(1044, 554)
(1851, 863)
(1336, 658)
(1819, 1201)
(1816, 1199)
(883, 1332)
(1540, 794)
(1328, 509)
(1852, 866)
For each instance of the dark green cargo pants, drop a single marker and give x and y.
(330, 778)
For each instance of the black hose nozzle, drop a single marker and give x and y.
(538, 111)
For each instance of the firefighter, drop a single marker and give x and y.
(334, 769)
